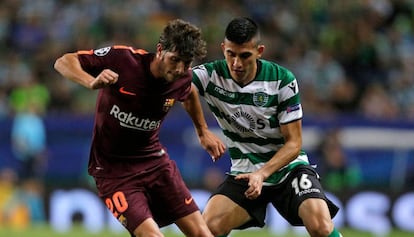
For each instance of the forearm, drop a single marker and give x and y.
(282, 157)
(208, 140)
(193, 107)
(292, 134)
(69, 67)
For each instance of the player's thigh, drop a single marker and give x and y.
(170, 197)
(130, 207)
(221, 211)
(302, 185)
(125, 200)
(313, 211)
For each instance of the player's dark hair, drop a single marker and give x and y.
(184, 38)
(241, 30)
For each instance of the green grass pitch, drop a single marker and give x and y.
(46, 231)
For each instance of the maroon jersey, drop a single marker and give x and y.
(129, 113)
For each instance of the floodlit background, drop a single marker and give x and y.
(354, 61)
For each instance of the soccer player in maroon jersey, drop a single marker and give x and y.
(134, 175)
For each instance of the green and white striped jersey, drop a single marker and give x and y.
(249, 116)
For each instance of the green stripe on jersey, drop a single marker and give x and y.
(230, 97)
(256, 140)
(255, 158)
(197, 83)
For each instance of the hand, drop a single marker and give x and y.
(255, 182)
(105, 78)
(212, 144)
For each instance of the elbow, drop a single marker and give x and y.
(191, 101)
(295, 148)
(186, 105)
(58, 64)
(298, 147)
(68, 60)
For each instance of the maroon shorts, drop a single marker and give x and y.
(159, 193)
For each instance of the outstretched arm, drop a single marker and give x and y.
(208, 140)
(69, 66)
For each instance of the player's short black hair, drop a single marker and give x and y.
(241, 30)
(184, 38)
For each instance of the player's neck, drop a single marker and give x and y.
(154, 67)
(247, 79)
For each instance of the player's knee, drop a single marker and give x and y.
(203, 234)
(320, 229)
(216, 228)
(202, 231)
(219, 232)
(148, 234)
(148, 228)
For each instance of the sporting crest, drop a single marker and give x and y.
(260, 98)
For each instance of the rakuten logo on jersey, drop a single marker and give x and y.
(128, 120)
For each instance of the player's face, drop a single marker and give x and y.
(172, 66)
(241, 59)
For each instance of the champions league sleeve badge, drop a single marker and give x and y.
(102, 51)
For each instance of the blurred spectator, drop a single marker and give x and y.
(377, 104)
(29, 144)
(13, 213)
(29, 95)
(31, 194)
(20, 206)
(325, 85)
(4, 107)
(401, 82)
(28, 35)
(15, 71)
(338, 172)
(28, 133)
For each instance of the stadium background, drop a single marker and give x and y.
(354, 61)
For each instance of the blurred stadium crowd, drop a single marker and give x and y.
(350, 56)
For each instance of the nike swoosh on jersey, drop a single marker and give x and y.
(188, 201)
(123, 91)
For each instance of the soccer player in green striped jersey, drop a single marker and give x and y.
(257, 105)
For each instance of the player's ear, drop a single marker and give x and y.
(222, 46)
(159, 48)
(260, 49)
